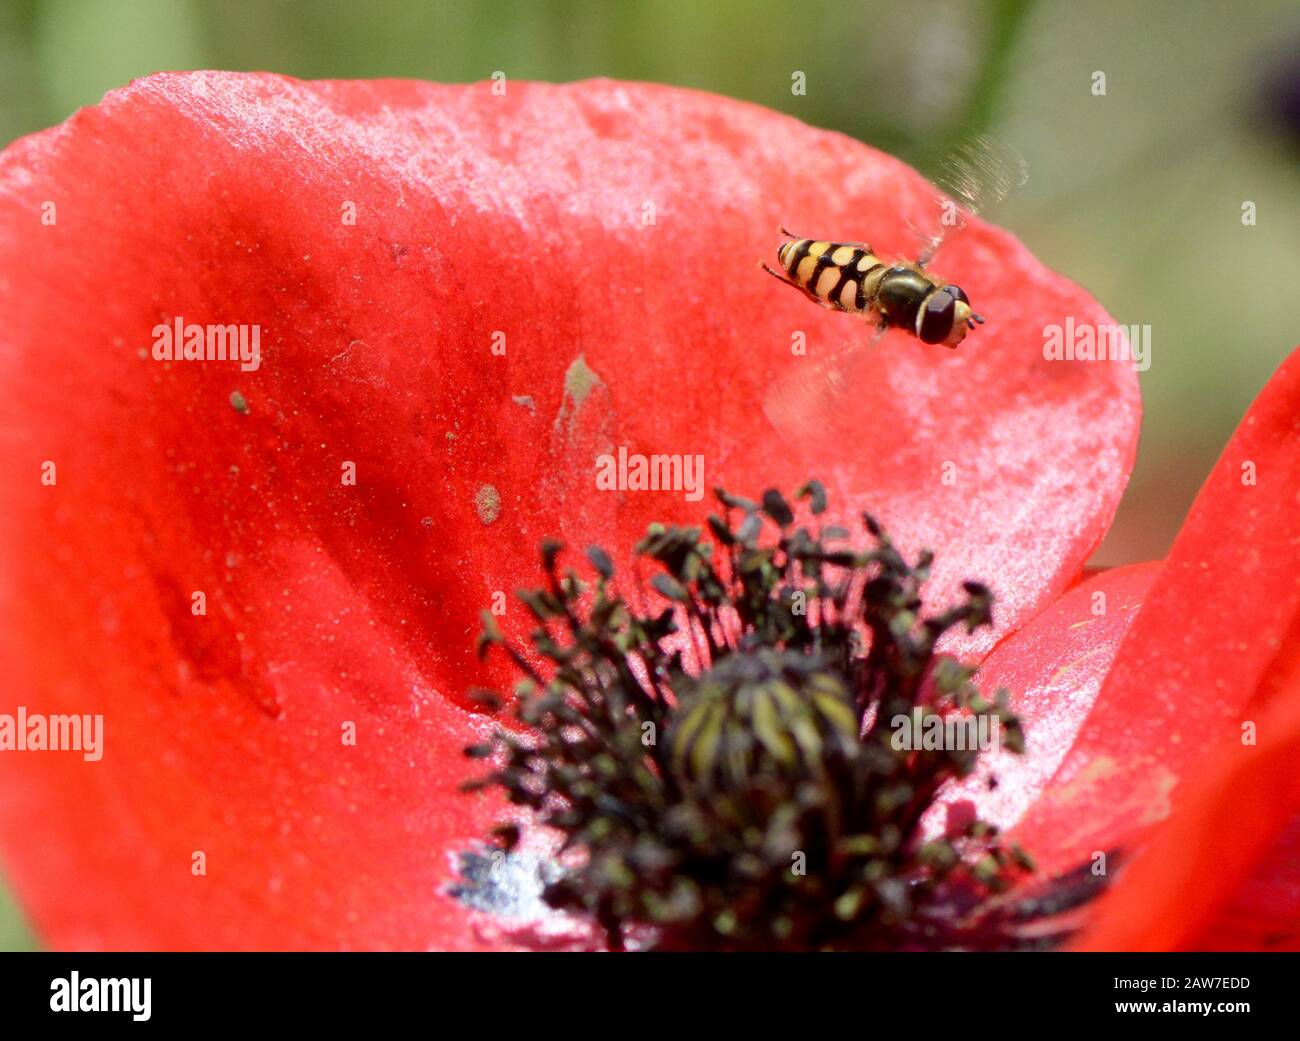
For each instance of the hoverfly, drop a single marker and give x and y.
(850, 277)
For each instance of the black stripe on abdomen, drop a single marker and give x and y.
(823, 262)
(862, 285)
(796, 256)
(849, 273)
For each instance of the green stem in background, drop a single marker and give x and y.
(1006, 21)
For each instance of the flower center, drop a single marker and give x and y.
(749, 765)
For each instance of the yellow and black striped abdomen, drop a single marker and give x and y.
(834, 272)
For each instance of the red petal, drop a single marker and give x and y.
(1202, 657)
(1199, 883)
(1053, 669)
(220, 198)
(1263, 913)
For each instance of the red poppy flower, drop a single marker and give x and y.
(462, 298)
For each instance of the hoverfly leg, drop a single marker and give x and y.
(931, 247)
(793, 285)
(778, 275)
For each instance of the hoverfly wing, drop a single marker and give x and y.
(807, 402)
(981, 172)
(976, 175)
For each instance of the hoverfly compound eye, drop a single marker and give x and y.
(935, 320)
(957, 293)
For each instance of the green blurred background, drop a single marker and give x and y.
(1136, 194)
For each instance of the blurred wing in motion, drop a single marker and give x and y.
(976, 175)
(804, 403)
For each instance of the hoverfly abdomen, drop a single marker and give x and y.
(835, 274)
